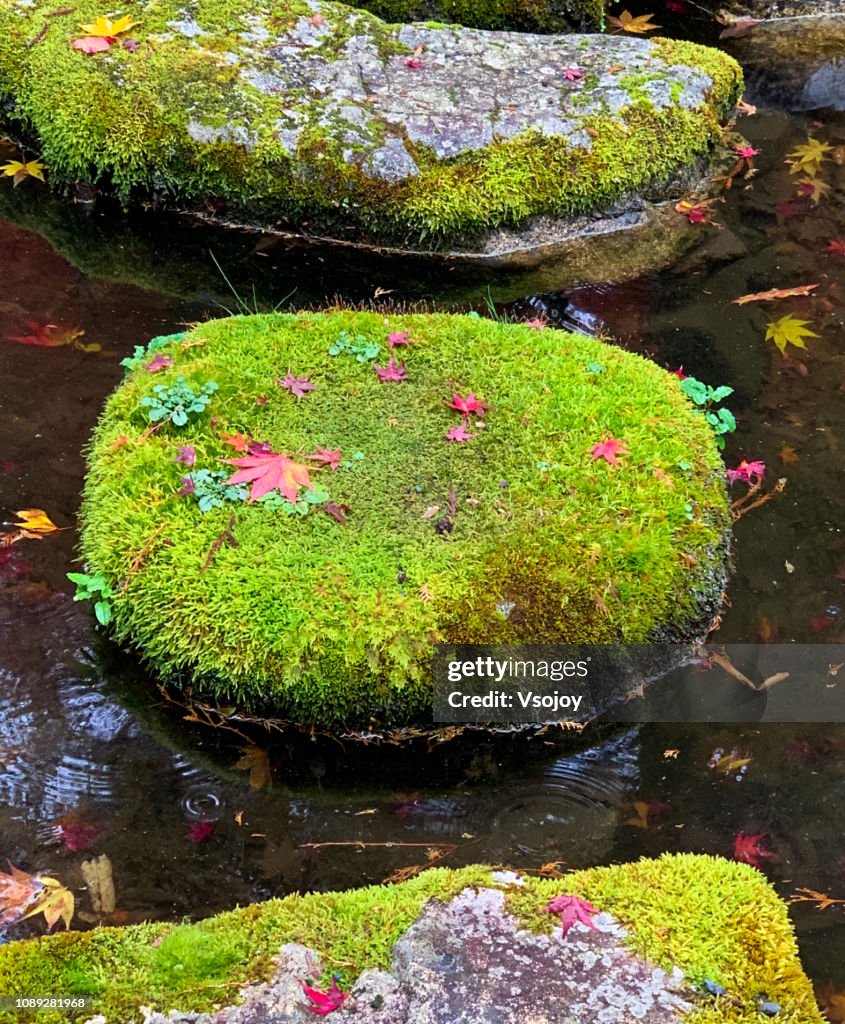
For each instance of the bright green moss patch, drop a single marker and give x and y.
(521, 15)
(211, 111)
(716, 920)
(515, 534)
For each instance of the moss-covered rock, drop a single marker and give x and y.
(325, 610)
(713, 920)
(519, 15)
(315, 116)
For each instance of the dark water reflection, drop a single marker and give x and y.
(88, 764)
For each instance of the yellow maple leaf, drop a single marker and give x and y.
(18, 170)
(102, 26)
(789, 331)
(54, 901)
(814, 188)
(808, 157)
(35, 522)
(626, 22)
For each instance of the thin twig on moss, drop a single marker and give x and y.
(224, 537)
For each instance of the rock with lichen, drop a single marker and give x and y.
(452, 947)
(312, 116)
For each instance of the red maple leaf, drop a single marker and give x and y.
(747, 849)
(48, 335)
(199, 831)
(574, 74)
(459, 434)
(298, 386)
(835, 245)
(159, 363)
(268, 472)
(469, 405)
(324, 1002)
(572, 910)
(74, 833)
(330, 457)
(608, 450)
(746, 152)
(336, 511)
(187, 455)
(414, 62)
(679, 373)
(93, 44)
(393, 371)
(538, 323)
(398, 338)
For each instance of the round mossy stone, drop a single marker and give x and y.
(324, 611)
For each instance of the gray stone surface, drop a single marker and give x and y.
(795, 63)
(469, 962)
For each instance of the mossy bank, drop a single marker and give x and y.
(518, 15)
(712, 920)
(318, 118)
(451, 493)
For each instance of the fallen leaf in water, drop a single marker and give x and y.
(99, 881)
(832, 1003)
(257, 762)
(808, 157)
(52, 336)
(199, 831)
(738, 29)
(727, 764)
(23, 895)
(645, 811)
(747, 849)
(813, 189)
(788, 455)
(670, 755)
(626, 22)
(35, 525)
(74, 832)
(774, 293)
(789, 330)
(572, 910)
(835, 245)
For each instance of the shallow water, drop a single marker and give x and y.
(90, 763)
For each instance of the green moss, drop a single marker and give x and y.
(714, 919)
(124, 120)
(520, 15)
(329, 623)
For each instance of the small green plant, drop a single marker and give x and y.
(706, 398)
(177, 403)
(210, 491)
(143, 352)
(94, 588)
(243, 306)
(301, 507)
(358, 345)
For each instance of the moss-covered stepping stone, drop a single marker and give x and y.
(291, 509)
(313, 117)
(668, 934)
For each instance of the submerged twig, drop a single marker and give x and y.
(741, 505)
